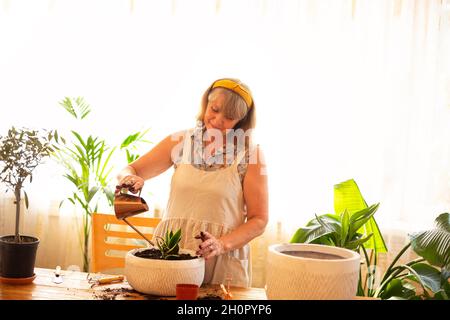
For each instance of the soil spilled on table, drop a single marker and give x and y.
(115, 293)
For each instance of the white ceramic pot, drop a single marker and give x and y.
(290, 277)
(160, 277)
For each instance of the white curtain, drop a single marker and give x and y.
(343, 89)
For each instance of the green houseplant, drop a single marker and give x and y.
(426, 277)
(21, 151)
(352, 226)
(412, 280)
(169, 245)
(86, 161)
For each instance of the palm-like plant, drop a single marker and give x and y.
(130, 143)
(86, 161)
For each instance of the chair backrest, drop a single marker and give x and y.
(109, 234)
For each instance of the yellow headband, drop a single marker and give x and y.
(236, 87)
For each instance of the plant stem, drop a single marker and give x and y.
(389, 278)
(360, 287)
(411, 270)
(367, 266)
(17, 196)
(389, 269)
(86, 241)
(395, 272)
(374, 270)
(415, 261)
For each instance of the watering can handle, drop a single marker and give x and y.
(121, 192)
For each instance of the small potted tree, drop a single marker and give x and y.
(157, 271)
(21, 151)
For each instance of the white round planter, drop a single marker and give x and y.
(160, 277)
(291, 277)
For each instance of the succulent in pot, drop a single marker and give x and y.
(157, 271)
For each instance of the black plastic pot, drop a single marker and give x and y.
(17, 259)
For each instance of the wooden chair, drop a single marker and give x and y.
(111, 234)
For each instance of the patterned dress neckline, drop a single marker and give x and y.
(222, 157)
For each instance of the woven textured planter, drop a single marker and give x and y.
(160, 277)
(292, 277)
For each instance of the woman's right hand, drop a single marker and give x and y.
(131, 182)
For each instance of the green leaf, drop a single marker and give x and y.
(92, 193)
(442, 222)
(26, 199)
(105, 164)
(356, 243)
(300, 236)
(109, 195)
(360, 218)
(345, 224)
(129, 140)
(327, 218)
(348, 196)
(175, 239)
(80, 139)
(66, 103)
(397, 289)
(83, 107)
(431, 277)
(333, 227)
(434, 244)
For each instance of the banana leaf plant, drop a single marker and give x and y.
(432, 278)
(352, 226)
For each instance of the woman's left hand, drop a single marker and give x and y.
(210, 247)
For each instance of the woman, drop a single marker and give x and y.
(219, 186)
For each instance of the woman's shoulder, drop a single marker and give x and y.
(177, 140)
(179, 136)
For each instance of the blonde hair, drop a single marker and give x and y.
(234, 106)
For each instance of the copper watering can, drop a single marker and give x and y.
(127, 205)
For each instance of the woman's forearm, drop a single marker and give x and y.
(244, 234)
(128, 170)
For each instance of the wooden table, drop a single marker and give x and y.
(75, 286)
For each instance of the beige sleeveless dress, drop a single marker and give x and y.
(211, 201)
